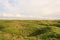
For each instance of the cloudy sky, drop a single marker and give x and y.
(46, 9)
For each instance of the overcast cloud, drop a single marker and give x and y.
(30, 9)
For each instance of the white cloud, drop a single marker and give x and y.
(11, 15)
(31, 8)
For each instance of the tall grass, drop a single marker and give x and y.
(29, 29)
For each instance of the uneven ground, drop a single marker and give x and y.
(29, 30)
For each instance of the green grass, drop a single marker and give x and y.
(29, 29)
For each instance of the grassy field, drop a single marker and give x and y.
(29, 29)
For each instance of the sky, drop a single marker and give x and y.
(41, 9)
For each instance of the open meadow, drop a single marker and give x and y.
(29, 29)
